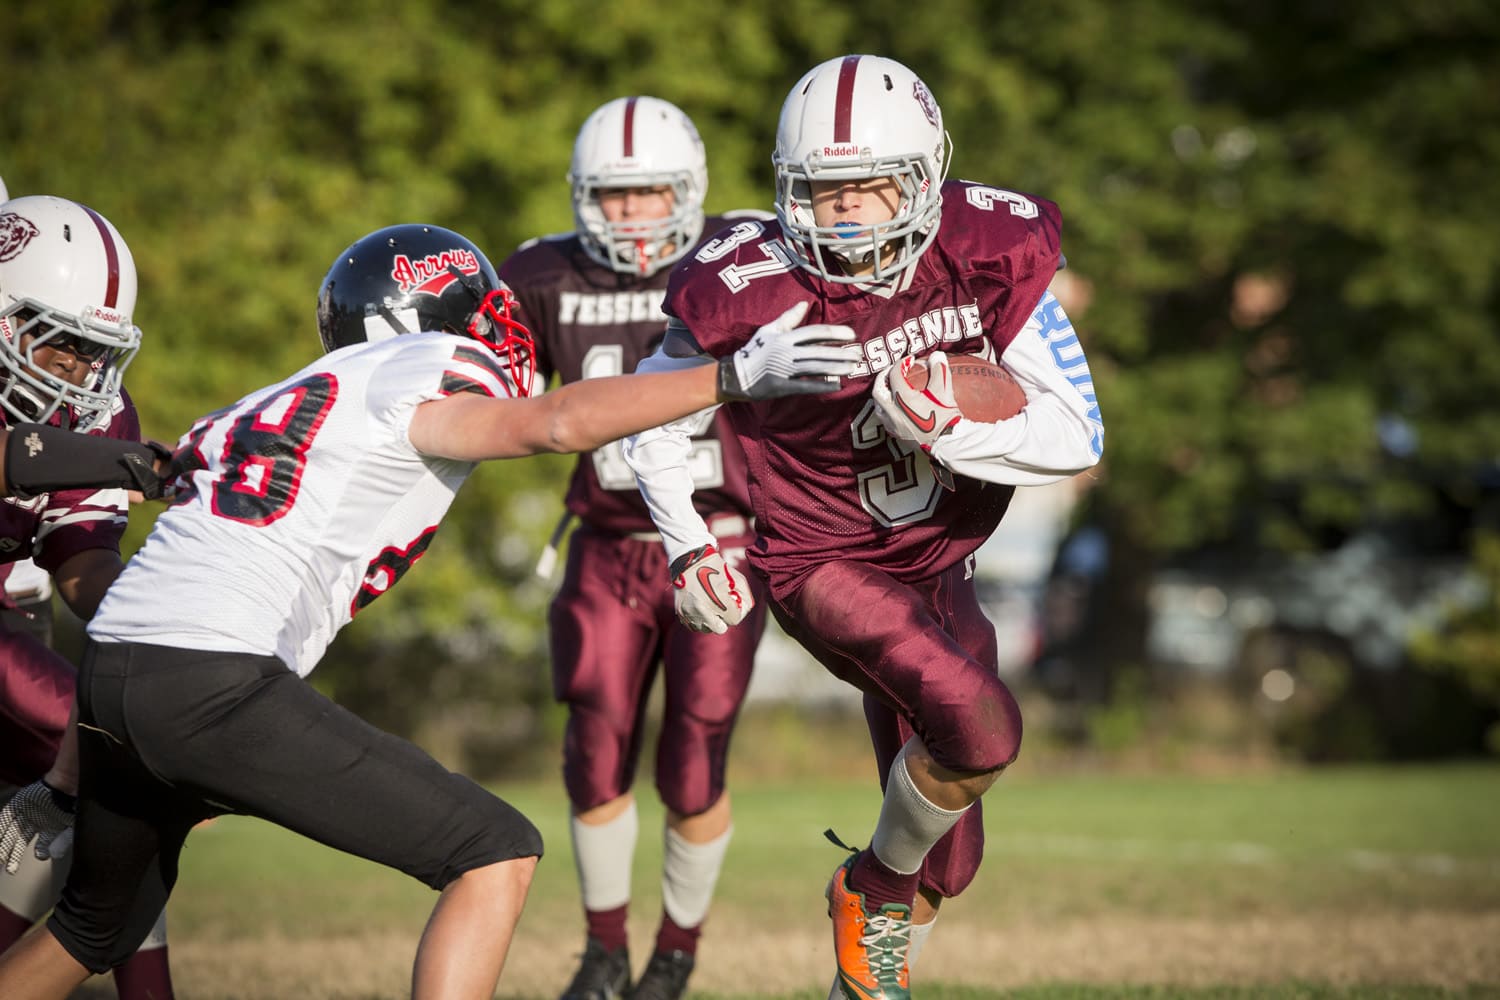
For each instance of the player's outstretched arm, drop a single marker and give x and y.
(39, 458)
(779, 361)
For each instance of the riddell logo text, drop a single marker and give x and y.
(849, 149)
(430, 275)
(109, 316)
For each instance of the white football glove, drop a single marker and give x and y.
(710, 595)
(36, 811)
(784, 359)
(917, 415)
(920, 416)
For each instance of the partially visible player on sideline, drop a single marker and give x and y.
(67, 291)
(298, 506)
(592, 299)
(870, 502)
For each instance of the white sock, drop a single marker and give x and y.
(603, 855)
(909, 824)
(158, 936)
(689, 873)
(919, 936)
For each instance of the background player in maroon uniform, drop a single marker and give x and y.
(592, 299)
(866, 551)
(67, 289)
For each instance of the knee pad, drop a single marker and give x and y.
(491, 831)
(598, 759)
(691, 760)
(982, 734)
(100, 944)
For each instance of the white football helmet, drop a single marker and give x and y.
(67, 279)
(852, 118)
(638, 142)
(4, 194)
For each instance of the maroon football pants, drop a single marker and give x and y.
(925, 656)
(36, 694)
(613, 624)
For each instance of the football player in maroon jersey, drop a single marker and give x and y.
(870, 502)
(592, 299)
(67, 289)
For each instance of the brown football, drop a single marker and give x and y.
(984, 391)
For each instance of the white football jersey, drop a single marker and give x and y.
(304, 502)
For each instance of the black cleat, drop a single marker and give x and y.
(665, 977)
(602, 975)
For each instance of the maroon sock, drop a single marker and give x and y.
(608, 926)
(671, 937)
(879, 883)
(144, 976)
(12, 926)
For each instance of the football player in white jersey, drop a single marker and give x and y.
(296, 507)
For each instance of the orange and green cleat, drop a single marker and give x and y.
(871, 947)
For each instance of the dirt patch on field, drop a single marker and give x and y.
(1438, 949)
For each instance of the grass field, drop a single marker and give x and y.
(1325, 884)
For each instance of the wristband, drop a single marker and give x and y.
(682, 562)
(67, 803)
(729, 381)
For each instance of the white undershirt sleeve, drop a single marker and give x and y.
(1060, 432)
(659, 459)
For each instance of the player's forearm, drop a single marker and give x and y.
(83, 579)
(1060, 432)
(63, 775)
(577, 417)
(1044, 443)
(598, 411)
(659, 459)
(38, 458)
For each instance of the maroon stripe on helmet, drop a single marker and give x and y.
(111, 258)
(843, 103)
(630, 126)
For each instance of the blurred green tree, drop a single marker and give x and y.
(1279, 222)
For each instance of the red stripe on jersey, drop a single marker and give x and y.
(630, 127)
(843, 103)
(456, 379)
(111, 258)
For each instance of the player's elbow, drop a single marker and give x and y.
(566, 432)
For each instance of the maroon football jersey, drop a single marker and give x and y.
(827, 482)
(589, 322)
(53, 527)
